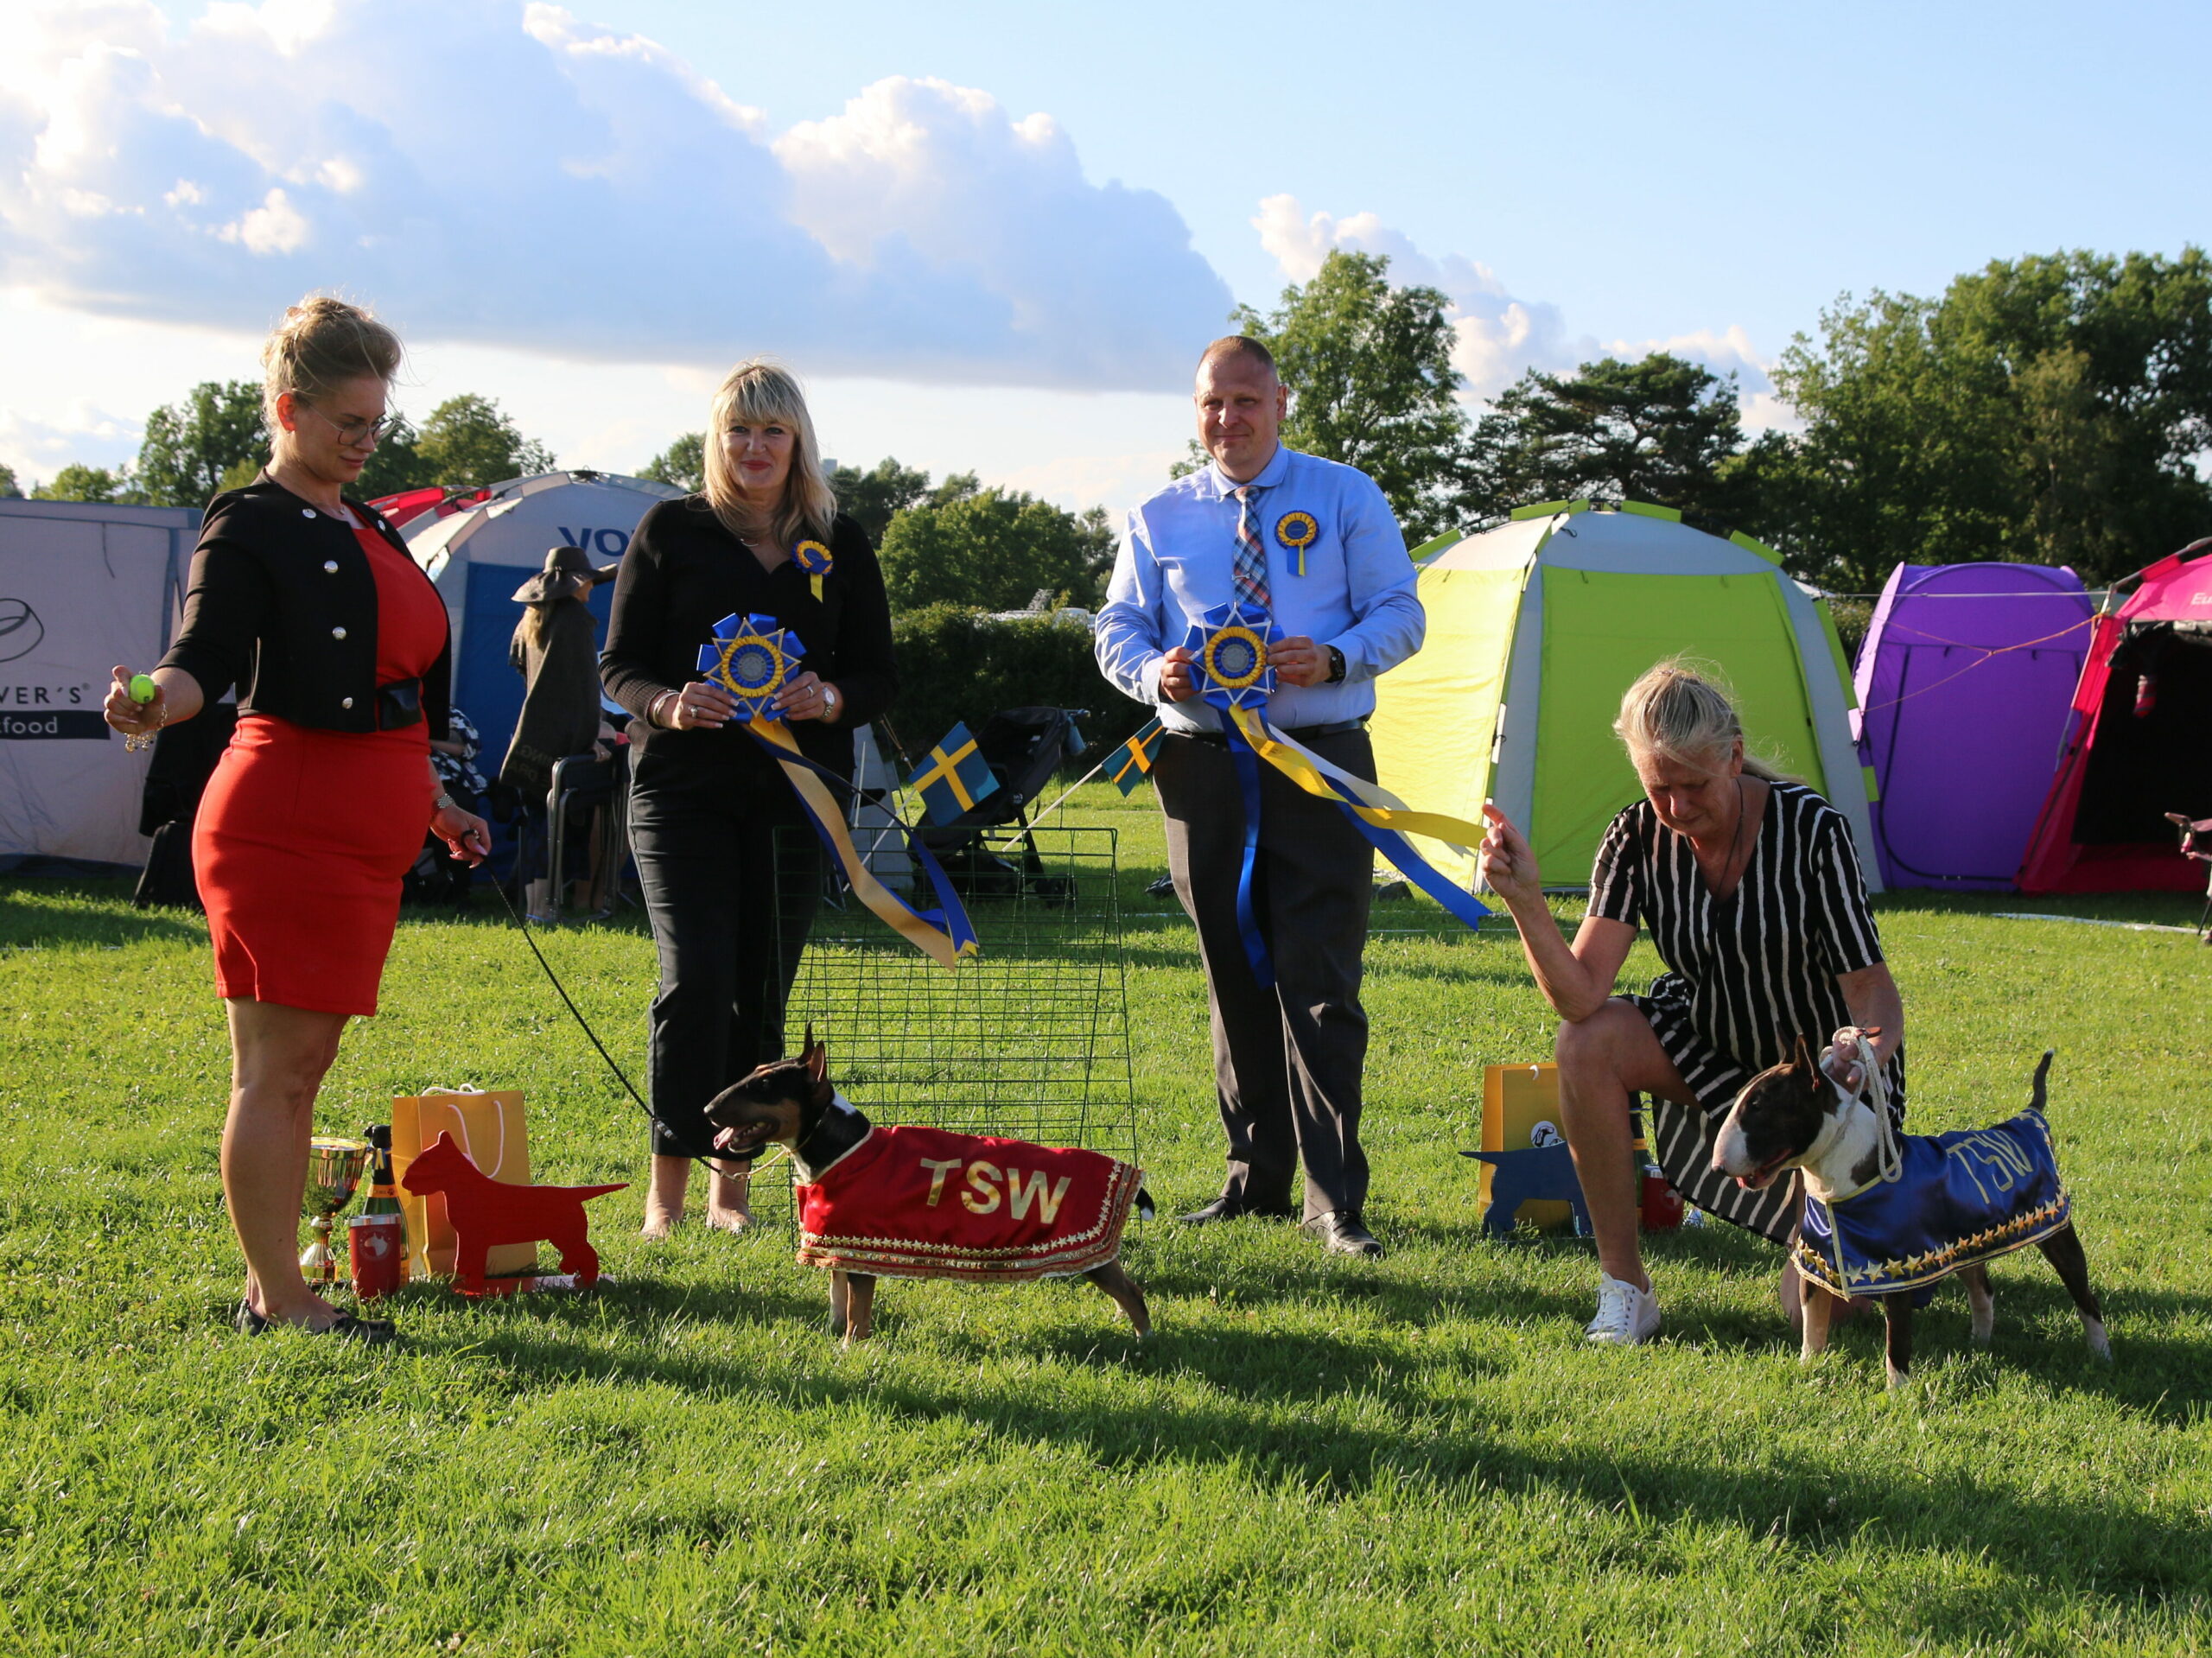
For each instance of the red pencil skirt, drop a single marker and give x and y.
(300, 842)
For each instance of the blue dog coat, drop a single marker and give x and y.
(1967, 1196)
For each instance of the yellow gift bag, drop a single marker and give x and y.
(1521, 1110)
(487, 1125)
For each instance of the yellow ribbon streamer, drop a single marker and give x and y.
(932, 942)
(1377, 805)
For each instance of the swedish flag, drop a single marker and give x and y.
(1129, 764)
(954, 777)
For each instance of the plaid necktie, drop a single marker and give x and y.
(1249, 575)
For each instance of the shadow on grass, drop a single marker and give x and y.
(1253, 1414)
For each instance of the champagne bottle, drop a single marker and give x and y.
(384, 1191)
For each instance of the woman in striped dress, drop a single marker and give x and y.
(1752, 893)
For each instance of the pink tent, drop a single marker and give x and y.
(2141, 743)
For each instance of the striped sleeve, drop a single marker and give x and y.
(1615, 880)
(1842, 917)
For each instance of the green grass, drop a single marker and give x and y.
(1310, 1456)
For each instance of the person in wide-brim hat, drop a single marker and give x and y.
(568, 575)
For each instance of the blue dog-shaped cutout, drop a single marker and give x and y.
(1545, 1171)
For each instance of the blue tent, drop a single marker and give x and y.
(479, 556)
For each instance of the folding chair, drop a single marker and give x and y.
(1024, 747)
(2197, 842)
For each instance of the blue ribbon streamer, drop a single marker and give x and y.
(1248, 921)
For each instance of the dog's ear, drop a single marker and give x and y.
(815, 1057)
(1801, 1060)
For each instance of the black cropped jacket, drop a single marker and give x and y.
(282, 603)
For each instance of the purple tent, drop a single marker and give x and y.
(1964, 681)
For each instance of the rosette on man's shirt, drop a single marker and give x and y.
(1232, 644)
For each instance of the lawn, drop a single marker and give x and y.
(1310, 1456)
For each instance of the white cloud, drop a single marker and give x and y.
(36, 449)
(1499, 335)
(516, 176)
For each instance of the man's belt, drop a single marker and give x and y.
(1297, 734)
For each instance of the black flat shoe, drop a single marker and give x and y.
(1226, 1208)
(1342, 1234)
(249, 1322)
(375, 1332)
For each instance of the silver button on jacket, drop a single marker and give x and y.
(337, 632)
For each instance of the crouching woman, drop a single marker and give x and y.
(1752, 893)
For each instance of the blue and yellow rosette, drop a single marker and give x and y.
(1231, 643)
(813, 557)
(1297, 531)
(754, 658)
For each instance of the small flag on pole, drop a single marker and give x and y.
(1128, 766)
(954, 776)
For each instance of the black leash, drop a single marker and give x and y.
(554, 978)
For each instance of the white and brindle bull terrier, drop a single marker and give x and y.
(1888, 1215)
(904, 1200)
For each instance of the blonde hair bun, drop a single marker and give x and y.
(322, 342)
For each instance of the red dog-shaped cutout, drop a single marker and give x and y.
(485, 1211)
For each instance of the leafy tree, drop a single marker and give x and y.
(1659, 430)
(1370, 371)
(76, 482)
(2048, 410)
(683, 463)
(10, 489)
(994, 549)
(396, 464)
(876, 496)
(189, 446)
(470, 441)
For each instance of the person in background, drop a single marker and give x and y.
(556, 650)
(1752, 893)
(729, 867)
(453, 759)
(307, 601)
(1287, 1060)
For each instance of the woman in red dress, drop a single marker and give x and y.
(309, 603)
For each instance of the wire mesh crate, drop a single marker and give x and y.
(1029, 1039)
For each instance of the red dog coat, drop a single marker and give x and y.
(911, 1202)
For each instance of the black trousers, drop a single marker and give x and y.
(1287, 1062)
(732, 879)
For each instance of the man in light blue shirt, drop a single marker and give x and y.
(1288, 1059)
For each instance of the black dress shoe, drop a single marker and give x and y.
(1342, 1234)
(1225, 1208)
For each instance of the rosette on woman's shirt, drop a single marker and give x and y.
(754, 658)
(813, 557)
(1297, 531)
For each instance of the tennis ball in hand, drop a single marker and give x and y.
(142, 689)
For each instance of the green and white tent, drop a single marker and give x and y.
(1537, 626)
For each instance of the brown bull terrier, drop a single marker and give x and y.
(1888, 1215)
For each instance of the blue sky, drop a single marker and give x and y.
(991, 234)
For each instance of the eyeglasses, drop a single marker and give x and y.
(353, 430)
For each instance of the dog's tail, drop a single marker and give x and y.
(2037, 1092)
(1145, 1209)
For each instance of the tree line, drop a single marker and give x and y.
(952, 542)
(2051, 410)
(215, 438)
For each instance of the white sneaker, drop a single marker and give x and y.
(1626, 1315)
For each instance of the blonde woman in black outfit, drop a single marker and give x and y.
(729, 866)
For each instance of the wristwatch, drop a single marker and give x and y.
(830, 702)
(1336, 667)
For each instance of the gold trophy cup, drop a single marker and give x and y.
(334, 1170)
